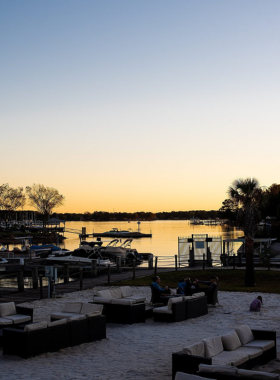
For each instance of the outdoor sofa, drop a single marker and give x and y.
(242, 348)
(121, 306)
(10, 314)
(181, 308)
(233, 374)
(38, 338)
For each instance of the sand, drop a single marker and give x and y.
(140, 351)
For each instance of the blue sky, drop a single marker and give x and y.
(151, 105)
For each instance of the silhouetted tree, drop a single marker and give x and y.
(44, 199)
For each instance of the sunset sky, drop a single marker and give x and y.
(144, 105)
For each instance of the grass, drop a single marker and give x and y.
(230, 280)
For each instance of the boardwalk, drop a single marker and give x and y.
(8, 294)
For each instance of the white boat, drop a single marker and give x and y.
(81, 255)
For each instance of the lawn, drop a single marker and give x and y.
(230, 280)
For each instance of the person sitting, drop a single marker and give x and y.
(159, 290)
(194, 285)
(183, 285)
(212, 285)
(256, 304)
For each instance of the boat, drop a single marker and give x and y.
(82, 255)
(115, 232)
(112, 250)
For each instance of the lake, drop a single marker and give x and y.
(165, 234)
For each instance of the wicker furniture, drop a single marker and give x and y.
(242, 348)
(10, 314)
(43, 337)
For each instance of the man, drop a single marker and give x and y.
(158, 290)
(212, 285)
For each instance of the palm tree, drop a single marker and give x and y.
(247, 195)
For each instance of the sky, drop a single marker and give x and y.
(139, 105)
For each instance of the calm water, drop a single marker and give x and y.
(165, 234)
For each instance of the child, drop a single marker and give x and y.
(256, 304)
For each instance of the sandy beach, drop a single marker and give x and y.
(140, 351)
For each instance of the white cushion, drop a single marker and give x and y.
(58, 322)
(102, 300)
(126, 291)
(231, 341)
(250, 351)
(244, 333)
(72, 307)
(213, 346)
(137, 299)
(171, 301)
(196, 349)
(219, 369)
(121, 301)
(76, 318)
(90, 308)
(198, 295)
(263, 344)
(19, 318)
(116, 293)
(5, 321)
(7, 308)
(104, 293)
(60, 315)
(132, 300)
(94, 314)
(162, 310)
(187, 376)
(185, 298)
(230, 358)
(36, 326)
(257, 375)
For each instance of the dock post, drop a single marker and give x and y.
(20, 281)
(51, 287)
(234, 261)
(119, 264)
(268, 261)
(35, 278)
(41, 286)
(151, 261)
(109, 274)
(133, 269)
(176, 266)
(94, 268)
(81, 278)
(203, 262)
(66, 273)
(156, 259)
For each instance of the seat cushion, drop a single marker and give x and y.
(78, 317)
(36, 326)
(104, 293)
(60, 315)
(116, 293)
(58, 322)
(213, 346)
(137, 299)
(263, 344)
(171, 301)
(218, 369)
(5, 322)
(19, 318)
(231, 341)
(121, 301)
(126, 291)
(187, 376)
(91, 308)
(162, 310)
(198, 295)
(230, 358)
(188, 298)
(94, 314)
(7, 308)
(257, 375)
(72, 307)
(196, 349)
(244, 333)
(252, 352)
(132, 300)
